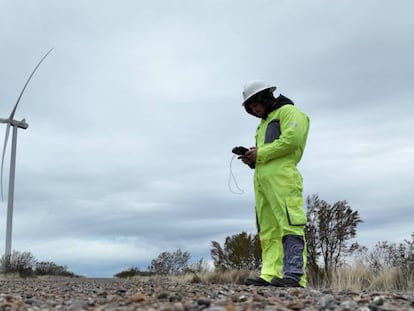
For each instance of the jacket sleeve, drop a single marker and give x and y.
(294, 125)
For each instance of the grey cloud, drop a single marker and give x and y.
(133, 116)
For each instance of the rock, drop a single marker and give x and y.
(153, 295)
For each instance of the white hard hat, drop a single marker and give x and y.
(253, 87)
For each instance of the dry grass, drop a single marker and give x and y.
(351, 278)
(393, 279)
(9, 276)
(354, 278)
(359, 277)
(235, 276)
(209, 277)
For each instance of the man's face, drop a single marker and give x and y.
(257, 109)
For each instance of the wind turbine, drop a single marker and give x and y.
(11, 122)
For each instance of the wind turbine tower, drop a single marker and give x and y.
(11, 122)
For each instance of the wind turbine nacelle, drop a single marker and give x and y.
(20, 124)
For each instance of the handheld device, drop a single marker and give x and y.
(240, 150)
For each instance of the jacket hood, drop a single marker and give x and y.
(280, 101)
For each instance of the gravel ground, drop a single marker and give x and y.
(116, 294)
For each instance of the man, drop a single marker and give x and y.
(280, 142)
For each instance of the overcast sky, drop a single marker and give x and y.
(133, 116)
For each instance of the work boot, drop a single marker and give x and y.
(285, 282)
(256, 282)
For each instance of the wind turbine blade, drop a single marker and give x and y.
(27, 82)
(2, 158)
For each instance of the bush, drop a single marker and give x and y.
(50, 268)
(26, 265)
(133, 271)
(393, 257)
(21, 263)
(200, 266)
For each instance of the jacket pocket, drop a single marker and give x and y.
(295, 212)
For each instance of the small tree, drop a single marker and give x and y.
(329, 229)
(241, 251)
(170, 263)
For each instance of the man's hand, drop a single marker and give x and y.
(249, 157)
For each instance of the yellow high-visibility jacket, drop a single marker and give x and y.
(280, 142)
